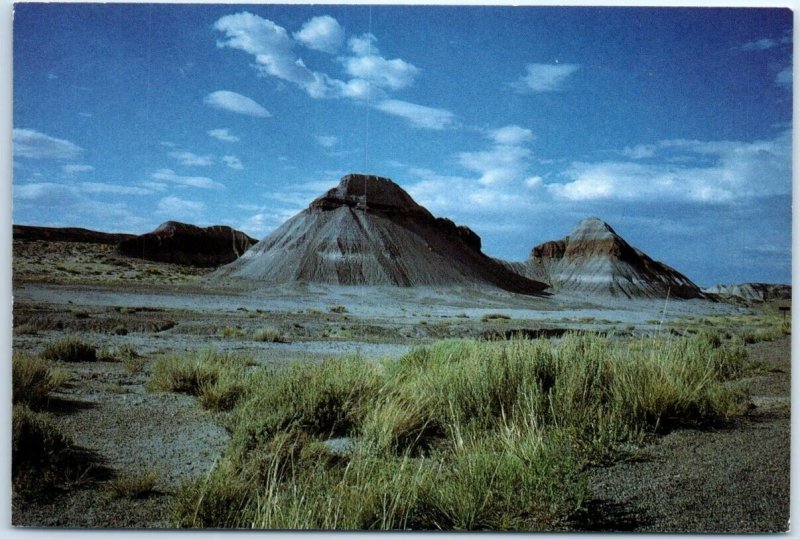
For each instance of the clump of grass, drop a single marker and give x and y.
(230, 332)
(494, 317)
(136, 486)
(340, 309)
(270, 334)
(33, 380)
(459, 435)
(119, 330)
(216, 378)
(69, 349)
(41, 456)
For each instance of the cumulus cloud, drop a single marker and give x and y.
(201, 182)
(238, 103)
(231, 161)
(45, 193)
(176, 207)
(223, 135)
(322, 34)
(35, 145)
(542, 78)
(728, 171)
(367, 74)
(192, 159)
(75, 169)
(418, 115)
(511, 135)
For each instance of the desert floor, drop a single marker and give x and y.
(732, 479)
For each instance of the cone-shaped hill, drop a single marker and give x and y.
(181, 243)
(369, 231)
(595, 260)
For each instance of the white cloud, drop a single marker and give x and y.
(363, 45)
(784, 78)
(35, 145)
(392, 74)
(511, 134)
(737, 171)
(223, 135)
(176, 207)
(233, 102)
(533, 182)
(322, 34)
(75, 169)
(501, 164)
(192, 159)
(640, 151)
(369, 75)
(201, 182)
(544, 77)
(760, 44)
(45, 193)
(231, 161)
(418, 115)
(113, 189)
(327, 141)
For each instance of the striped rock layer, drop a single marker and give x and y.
(595, 260)
(369, 231)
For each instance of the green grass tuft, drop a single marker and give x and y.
(69, 349)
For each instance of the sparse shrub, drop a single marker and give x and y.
(134, 486)
(494, 317)
(33, 380)
(80, 314)
(340, 309)
(269, 334)
(230, 332)
(119, 330)
(69, 349)
(40, 453)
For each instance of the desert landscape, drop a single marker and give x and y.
(135, 381)
(401, 267)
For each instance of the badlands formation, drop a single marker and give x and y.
(181, 243)
(369, 231)
(595, 260)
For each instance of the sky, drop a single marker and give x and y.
(674, 125)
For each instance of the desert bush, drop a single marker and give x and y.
(340, 309)
(69, 349)
(230, 332)
(134, 486)
(33, 380)
(269, 334)
(217, 379)
(493, 317)
(40, 453)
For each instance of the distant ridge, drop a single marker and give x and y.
(181, 243)
(752, 292)
(369, 231)
(68, 234)
(593, 259)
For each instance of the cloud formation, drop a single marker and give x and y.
(223, 135)
(35, 145)
(368, 74)
(231, 161)
(238, 103)
(326, 141)
(542, 78)
(709, 172)
(191, 159)
(176, 207)
(75, 169)
(418, 115)
(200, 182)
(321, 34)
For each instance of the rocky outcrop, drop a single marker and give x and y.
(67, 234)
(369, 231)
(751, 292)
(182, 243)
(595, 260)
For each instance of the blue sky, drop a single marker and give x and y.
(673, 125)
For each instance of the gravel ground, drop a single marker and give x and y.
(727, 480)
